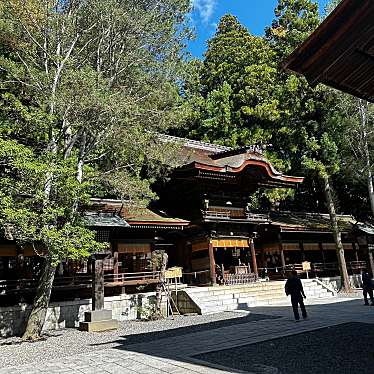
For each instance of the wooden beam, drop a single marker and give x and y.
(253, 255)
(212, 263)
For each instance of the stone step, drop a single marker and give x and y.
(222, 298)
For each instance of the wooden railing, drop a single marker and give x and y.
(195, 278)
(353, 267)
(232, 279)
(216, 214)
(80, 281)
(258, 217)
(126, 277)
(230, 214)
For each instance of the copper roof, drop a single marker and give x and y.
(136, 216)
(315, 222)
(220, 162)
(340, 52)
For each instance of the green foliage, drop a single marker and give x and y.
(84, 89)
(294, 22)
(232, 92)
(243, 97)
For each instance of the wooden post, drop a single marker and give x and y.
(98, 285)
(212, 263)
(322, 253)
(371, 260)
(356, 251)
(283, 261)
(263, 260)
(253, 255)
(115, 265)
(301, 245)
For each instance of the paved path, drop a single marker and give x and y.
(174, 355)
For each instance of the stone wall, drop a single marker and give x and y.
(184, 303)
(335, 282)
(69, 313)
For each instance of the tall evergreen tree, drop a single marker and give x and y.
(313, 129)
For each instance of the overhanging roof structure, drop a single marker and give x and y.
(310, 222)
(134, 216)
(340, 52)
(246, 165)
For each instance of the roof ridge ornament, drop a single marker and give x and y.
(253, 148)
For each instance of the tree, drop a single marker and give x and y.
(358, 145)
(313, 129)
(235, 108)
(85, 86)
(293, 23)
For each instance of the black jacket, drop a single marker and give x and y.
(367, 283)
(294, 287)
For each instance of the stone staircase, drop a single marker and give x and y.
(208, 300)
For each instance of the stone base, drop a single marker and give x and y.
(111, 324)
(98, 320)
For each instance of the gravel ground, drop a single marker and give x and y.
(342, 349)
(61, 343)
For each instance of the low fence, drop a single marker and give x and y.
(233, 279)
(196, 278)
(317, 269)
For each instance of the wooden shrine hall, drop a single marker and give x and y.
(205, 222)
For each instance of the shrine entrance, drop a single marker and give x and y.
(234, 260)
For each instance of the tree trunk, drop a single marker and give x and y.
(364, 135)
(337, 235)
(159, 288)
(37, 317)
(371, 190)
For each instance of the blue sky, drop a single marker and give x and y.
(254, 14)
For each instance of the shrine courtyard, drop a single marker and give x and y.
(337, 338)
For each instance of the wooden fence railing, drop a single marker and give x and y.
(79, 281)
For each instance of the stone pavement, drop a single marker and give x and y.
(175, 355)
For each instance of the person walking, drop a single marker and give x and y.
(367, 287)
(294, 287)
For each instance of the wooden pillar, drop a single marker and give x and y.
(301, 245)
(371, 260)
(212, 263)
(356, 251)
(20, 261)
(98, 285)
(283, 261)
(263, 260)
(115, 265)
(253, 255)
(322, 253)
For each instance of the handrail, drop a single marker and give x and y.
(324, 285)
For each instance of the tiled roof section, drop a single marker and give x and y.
(140, 215)
(102, 219)
(135, 215)
(301, 221)
(195, 144)
(367, 227)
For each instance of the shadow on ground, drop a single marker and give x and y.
(330, 350)
(186, 330)
(342, 349)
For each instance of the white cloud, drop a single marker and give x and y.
(205, 8)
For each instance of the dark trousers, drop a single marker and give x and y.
(367, 291)
(296, 301)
